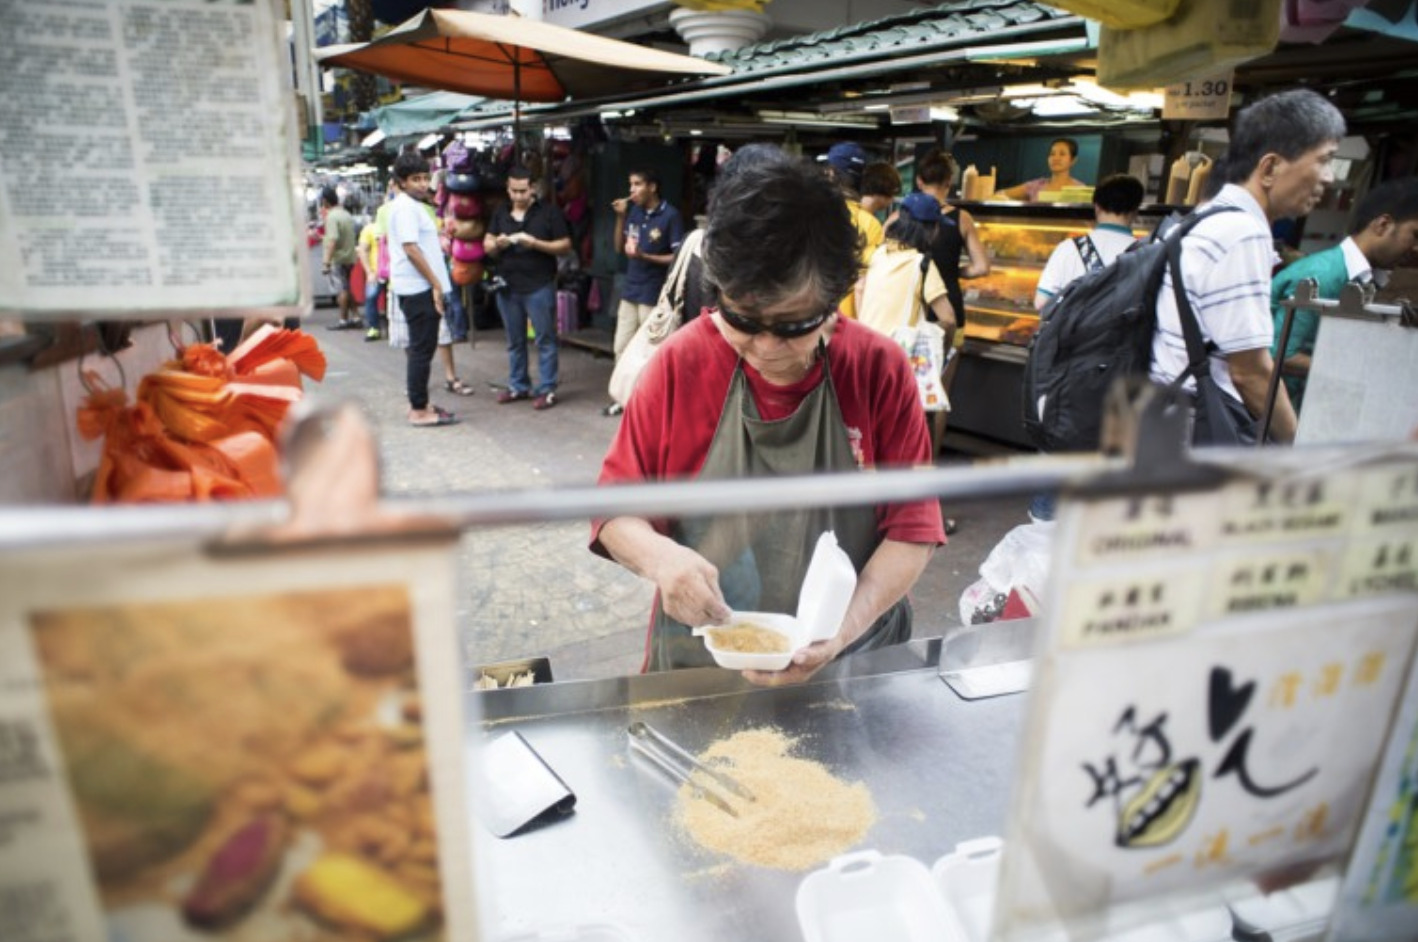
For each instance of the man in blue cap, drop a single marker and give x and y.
(845, 161)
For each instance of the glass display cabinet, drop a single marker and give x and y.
(1000, 318)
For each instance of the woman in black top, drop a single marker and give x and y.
(935, 174)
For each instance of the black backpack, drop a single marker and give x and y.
(1097, 329)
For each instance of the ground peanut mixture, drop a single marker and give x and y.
(803, 816)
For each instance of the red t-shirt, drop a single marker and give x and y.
(670, 422)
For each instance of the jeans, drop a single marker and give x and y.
(455, 315)
(540, 307)
(372, 290)
(422, 318)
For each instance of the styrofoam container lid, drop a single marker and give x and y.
(867, 896)
(827, 589)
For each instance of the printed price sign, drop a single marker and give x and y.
(1199, 99)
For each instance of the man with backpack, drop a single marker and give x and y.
(1276, 167)
(1115, 203)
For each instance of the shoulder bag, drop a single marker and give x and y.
(663, 321)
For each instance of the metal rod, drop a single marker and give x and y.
(1304, 291)
(1018, 477)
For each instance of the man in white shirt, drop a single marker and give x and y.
(1277, 166)
(1115, 203)
(419, 277)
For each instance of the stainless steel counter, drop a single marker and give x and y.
(938, 768)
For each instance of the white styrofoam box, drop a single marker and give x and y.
(865, 895)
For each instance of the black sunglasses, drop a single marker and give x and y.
(785, 330)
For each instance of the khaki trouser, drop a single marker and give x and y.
(628, 318)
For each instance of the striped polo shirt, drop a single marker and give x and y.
(1226, 265)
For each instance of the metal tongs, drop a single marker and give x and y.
(681, 766)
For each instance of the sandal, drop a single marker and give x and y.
(458, 387)
(442, 418)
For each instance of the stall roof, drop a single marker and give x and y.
(959, 31)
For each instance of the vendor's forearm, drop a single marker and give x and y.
(552, 247)
(635, 544)
(885, 579)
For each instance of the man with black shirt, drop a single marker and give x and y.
(525, 236)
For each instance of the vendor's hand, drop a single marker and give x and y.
(805, 663)
(502, 241)
(689, 588)
(621, 206)
(438, 300)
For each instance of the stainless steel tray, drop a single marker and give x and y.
(939, 769)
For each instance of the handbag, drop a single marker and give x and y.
(1218, 419)
(666, 317)
(925, 348)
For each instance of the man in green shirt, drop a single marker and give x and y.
(1383, 236)
(340, 252)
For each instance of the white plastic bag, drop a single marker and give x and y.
(1022, 558)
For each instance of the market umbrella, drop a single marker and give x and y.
(511, 58)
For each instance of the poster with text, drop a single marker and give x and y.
(245, 750)
(149, 160)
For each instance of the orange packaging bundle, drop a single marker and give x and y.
(204, 426)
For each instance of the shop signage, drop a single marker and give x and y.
(150, 153)
(580, 14)
(1206, 98)
(1214, 694)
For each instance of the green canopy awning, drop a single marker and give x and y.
(424, 114)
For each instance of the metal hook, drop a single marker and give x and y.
(175, 339)
(111, 356)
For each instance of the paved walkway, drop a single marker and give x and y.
(536, 590)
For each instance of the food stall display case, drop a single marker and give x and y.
(1000, 319)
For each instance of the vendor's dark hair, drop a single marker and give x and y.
(646, 174)
(1288, 123)
(1396, 198)
(749, 155)
(329, 196)
(879, 178)
(519, 172)
(407, 164)
(1068, 142)
(937, 168)
(777, 228)
(918, 235)
(1118, 194)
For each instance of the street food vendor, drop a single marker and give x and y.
(773, 382)
(1063, 154)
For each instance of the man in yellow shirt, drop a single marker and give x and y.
(845, 161)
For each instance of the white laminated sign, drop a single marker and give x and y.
(149, 160)
(1213, 698)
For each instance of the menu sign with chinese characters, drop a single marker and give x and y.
(1214, 695)
(148, 160)
(257, 748)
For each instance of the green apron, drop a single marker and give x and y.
(763, 557)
